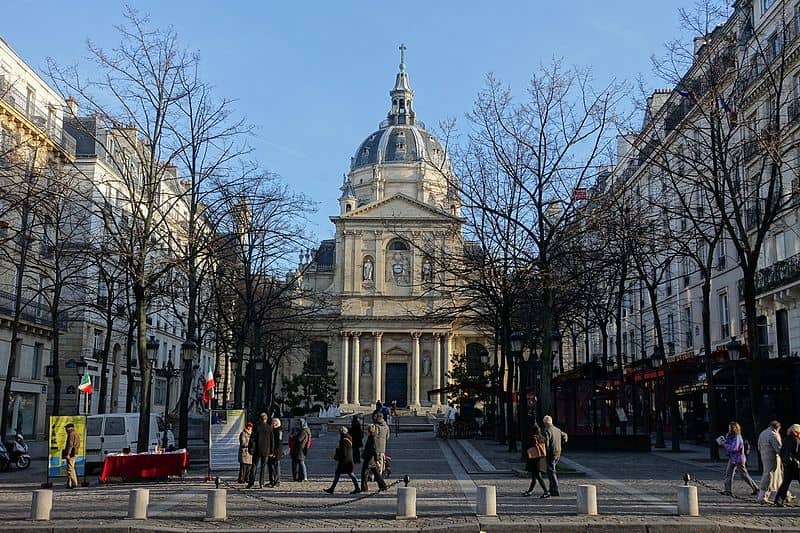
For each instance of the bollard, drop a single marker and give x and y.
(137, 504)
(487, 500)
(587, 499)
(406, 503)
(687, 501)
(41, 504)
(217, 505)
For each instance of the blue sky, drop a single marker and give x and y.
(314, 76)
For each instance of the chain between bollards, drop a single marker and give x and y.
(257, 496)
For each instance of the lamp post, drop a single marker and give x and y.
(258, 401)
(188, 350)
(167, 372)
(655, 361)
(734, 348)
(555, 352)
(517, 340)
(234, 363)
(151, 347)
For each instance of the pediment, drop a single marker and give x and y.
(396, 350)
(399, 206)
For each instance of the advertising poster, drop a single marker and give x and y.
(56, 466)
(225, 427)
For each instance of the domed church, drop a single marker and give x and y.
(398, 218)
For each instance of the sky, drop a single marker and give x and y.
(313, 77)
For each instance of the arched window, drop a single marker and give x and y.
(318, 357)
(398, 244)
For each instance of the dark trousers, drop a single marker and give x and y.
(375, 473)
(338, 474)
(274, 471)
(256, 461)
(245, 472)
(356, 455)
(536, 476)
(552, 461)
(790, 473)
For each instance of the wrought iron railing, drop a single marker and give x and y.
(778, 274)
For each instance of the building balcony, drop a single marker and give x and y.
(777, 275)
(33, 312)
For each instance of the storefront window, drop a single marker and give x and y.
(23, 413)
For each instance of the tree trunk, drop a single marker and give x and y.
(545, 390)
(129, 347)
(754, 354)
(144, 365)
(713, 423)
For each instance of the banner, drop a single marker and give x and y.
(224, 429)
(56, 466)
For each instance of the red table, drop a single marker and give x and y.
(144, 465)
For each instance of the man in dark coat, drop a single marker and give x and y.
(344, 462)
(70, 453)
(370, 460)
(790, 456)
(299, 451)
(260, 449)
(277, 453)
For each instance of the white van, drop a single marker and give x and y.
(111, 433)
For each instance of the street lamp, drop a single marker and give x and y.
(188, 350)
(656, 360)
(152, 349)
(259, 378)
(517, 340)
(167, 372)
(734, 348)
(234, 364)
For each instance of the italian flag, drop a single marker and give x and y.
(209, 386)
(86, 383)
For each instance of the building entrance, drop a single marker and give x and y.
(396, 384)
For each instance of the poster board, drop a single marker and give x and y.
(56, 466)
(224, 429)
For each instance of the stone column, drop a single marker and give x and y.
(437, 367)
(356, 367)
(415, 370)
(378, 372)
(345, 366)
(448, 352)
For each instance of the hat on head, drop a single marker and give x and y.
(70, 426)
(249, 425)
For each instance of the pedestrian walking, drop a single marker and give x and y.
(300, 450)
(381, 441)
(769, 448)
(370, 461)
(292, 442)
(70, 453)
(260, 448)
(245, 457)
(357, 433)
(737, 459)
(344, 461)
(790, 457)
(274, 461)
(554, 439)
(536, 461)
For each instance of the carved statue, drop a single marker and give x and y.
(426, 365)
(427, 270)
(366, 366)
(368, 270)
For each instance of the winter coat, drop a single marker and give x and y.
(554, 438)
(790, 455)
(277, 443)
(370, 455)
(344, 455)
(358, 434)
(72, 446)
(381, 436)
(769, 446)
(261, 440)
(245, 457)
(734, 445)
(299, 450)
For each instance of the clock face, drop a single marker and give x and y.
(397, 268)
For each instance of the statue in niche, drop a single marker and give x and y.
(427, 270)
(426, 365)
(366, 366)
(368, 270)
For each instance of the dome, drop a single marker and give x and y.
(407, 143)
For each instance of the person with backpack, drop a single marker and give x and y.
(737, 459)
(536, 461)
(344, 462)
(300, 450)
(554, 439)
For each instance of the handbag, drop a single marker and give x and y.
(537, 450)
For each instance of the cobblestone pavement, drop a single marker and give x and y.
(636, 492)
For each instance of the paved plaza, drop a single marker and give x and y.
(636, 492)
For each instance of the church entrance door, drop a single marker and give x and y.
(396, 383)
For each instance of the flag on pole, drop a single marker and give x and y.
(86, 383)
(209, 385)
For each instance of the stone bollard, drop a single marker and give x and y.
(217, 505)
(138, 501)
(406, 503)
(587, 499)
(687, 501)
(41, 504)
(487, 500)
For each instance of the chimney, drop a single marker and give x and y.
(72, 106)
